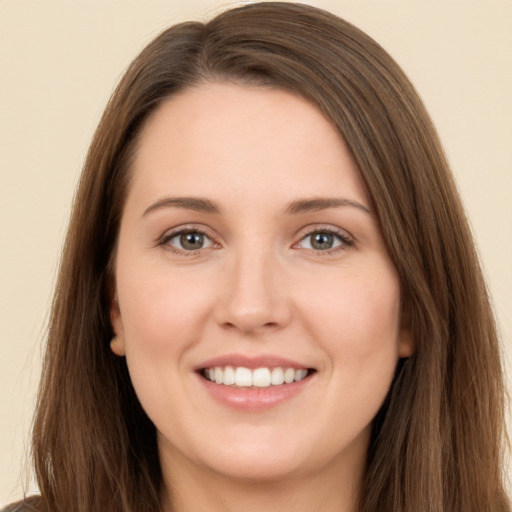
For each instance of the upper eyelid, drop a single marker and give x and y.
(171, 232)
(318, 228)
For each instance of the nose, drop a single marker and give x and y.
(253, 298)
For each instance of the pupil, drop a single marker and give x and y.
(192, 240)
(322, 241)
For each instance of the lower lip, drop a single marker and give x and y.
(254, 399)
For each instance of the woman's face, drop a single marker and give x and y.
(249, 257)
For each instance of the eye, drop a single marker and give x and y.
(324, 240)
(189, 240)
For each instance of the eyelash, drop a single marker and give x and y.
(167, 237)
(342, 236)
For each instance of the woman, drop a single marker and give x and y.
(269, 297)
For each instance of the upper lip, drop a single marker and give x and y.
(251, 362)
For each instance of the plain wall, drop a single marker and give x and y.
(59, 62)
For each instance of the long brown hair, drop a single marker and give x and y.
(436, 442)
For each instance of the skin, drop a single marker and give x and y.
(257, 286)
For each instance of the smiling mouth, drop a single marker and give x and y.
(241, 377)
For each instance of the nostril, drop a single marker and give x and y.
(246, 326)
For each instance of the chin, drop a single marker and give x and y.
(250, 458)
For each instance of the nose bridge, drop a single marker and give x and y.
(253, 297)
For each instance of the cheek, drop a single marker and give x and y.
(365, 314)
(162, 311)
(163, 317)
(357, 322)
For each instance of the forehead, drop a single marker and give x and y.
(219, 137)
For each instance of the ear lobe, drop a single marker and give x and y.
(117, 344)
(406, 345)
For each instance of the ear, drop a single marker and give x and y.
(117, 345)
(406, 345)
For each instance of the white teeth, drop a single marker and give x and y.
(229, 376)
(300, 374)
(277, 377)
(260, 377)
(289, 375)
(243, 377)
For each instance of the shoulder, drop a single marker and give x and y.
(30, 504)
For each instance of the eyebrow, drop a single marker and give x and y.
(322, 203)
(294, 208)
(189, 203)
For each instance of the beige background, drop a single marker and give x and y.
(58, 64)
